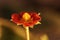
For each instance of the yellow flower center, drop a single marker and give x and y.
(26, 16)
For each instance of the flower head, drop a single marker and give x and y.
(28, 19)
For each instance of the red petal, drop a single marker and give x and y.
(15, 17)
(36, 17)
(21, 14)
(28, 24)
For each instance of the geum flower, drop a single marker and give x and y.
(27, 19)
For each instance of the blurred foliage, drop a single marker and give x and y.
(8, 34)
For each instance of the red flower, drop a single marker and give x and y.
(28, 19)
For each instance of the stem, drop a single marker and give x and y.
(27, 33)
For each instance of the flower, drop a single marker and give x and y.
(27, 19)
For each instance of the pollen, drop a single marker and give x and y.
(26, 16)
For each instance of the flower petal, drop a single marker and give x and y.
(36, 17)
(28, 24)
(15, 18)
(38, 23)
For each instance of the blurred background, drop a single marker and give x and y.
(48, 30)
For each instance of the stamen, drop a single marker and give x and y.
(26, 16)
